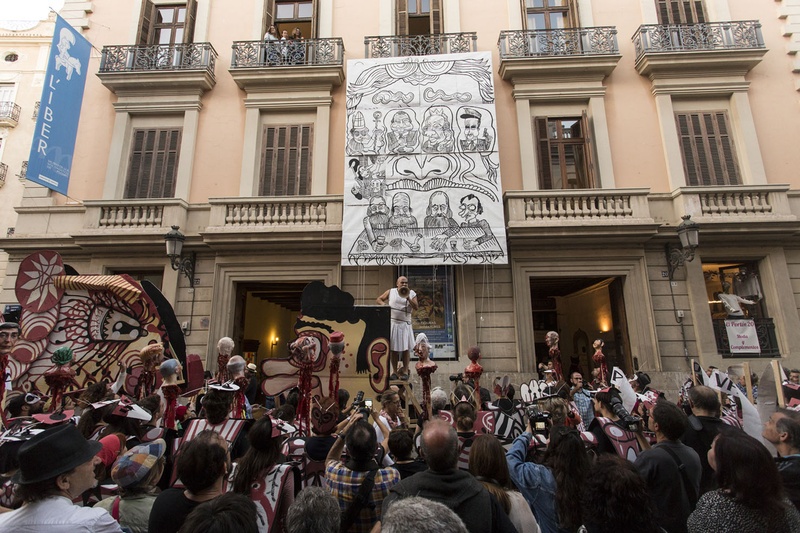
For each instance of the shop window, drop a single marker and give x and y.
(564, 149)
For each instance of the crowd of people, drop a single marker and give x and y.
(286, 48)
(110, 467)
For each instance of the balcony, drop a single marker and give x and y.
(619, 215)
(259, 64)
(3, 172)
(558, 62)
(182, 67)
(9, 114)
(765, 330)
(420, 45)
(722, 48)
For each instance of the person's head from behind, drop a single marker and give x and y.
(229, 513)
(361, 441)
(615, 498)
(203, 461)
(440, 446)
(745, 470)
(567, 458)
(264, 452)
(236, 365)
(315, 510)
(140, 468)
(57, 462)
(704, 399)
(344, 397)
(667, 419)
(487, 461)
(438, 399)
(217, 405)
(558, 409)
(401, 444)
(465, 415)
(153, 404)
(420, 515)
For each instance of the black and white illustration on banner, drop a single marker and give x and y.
(422, 179)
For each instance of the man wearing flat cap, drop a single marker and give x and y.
(9, 335)
(55, 467)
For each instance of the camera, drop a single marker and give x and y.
(457, 377)
(539, 419)
(361, 406)
(628, 420)
(359, 399)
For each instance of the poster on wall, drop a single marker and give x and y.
(422, 173)
(434, 316)
(742, 336)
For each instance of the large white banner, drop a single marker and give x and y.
(422, 178)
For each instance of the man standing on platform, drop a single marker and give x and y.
(402, 301)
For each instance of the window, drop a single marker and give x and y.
(708, 153)
(680, 11)
(167, 24)
(564, 149)
(156, 277)
(7, 92)
(549, 14)
(419, 17)
(153, 163)
(286, 160)
(290, 14)
(11, 57)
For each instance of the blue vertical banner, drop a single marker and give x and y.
(60, 109)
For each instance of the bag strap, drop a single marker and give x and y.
(687, 485)
(115, 509)
(359, 502)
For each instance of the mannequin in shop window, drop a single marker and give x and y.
(732, 302)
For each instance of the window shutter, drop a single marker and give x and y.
(436, 17)
(153, 164)
(401, 24)
(135, 164)
(574, 16)
(709, 157)
(191, 16)
(680, 11)
(543, 149)
(145, 23)
(314, 15)
(269, 15)
(286, 160)
(588, 149)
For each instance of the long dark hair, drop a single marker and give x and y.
(487, 462)
(746, 471)
(567, 458)
(262, 455)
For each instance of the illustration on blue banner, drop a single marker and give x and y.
(53, 143)
(422, 177)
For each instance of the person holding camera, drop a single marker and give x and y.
(616, 430)
(555, 504)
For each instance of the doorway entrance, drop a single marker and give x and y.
(265, 315)
(581, 310)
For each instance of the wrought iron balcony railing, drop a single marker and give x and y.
(9, 110)
(253, 54)
(556, 43)
(158, 57)
(3, 172)
(420, 45)
(765, 331)
(738, 35)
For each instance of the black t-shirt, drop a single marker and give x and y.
(170, 511)
(409, 469)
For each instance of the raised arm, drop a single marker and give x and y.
(383, 299)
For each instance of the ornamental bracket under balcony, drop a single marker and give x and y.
(141, 70)
(686, 50)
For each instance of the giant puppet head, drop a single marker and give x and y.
(106, 320)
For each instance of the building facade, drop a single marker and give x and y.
(615, 119)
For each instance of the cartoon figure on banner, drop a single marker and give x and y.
(469, 210)
(401, 212)
(470, 124)
(106, 321)
(403, 136)
(326, 310)
(375, 223)
(437, 131)
(63, 59)
(363, 141)
(439, 215)
(369, 173)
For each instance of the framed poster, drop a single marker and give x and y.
(435, 316)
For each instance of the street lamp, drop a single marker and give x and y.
(174, 241)
(689, 234)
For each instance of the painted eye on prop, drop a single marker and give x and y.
(113, 325)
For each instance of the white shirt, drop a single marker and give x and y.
(57, 514)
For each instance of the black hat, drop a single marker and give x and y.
(53, 452)
(9, 325)
(643, 379)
